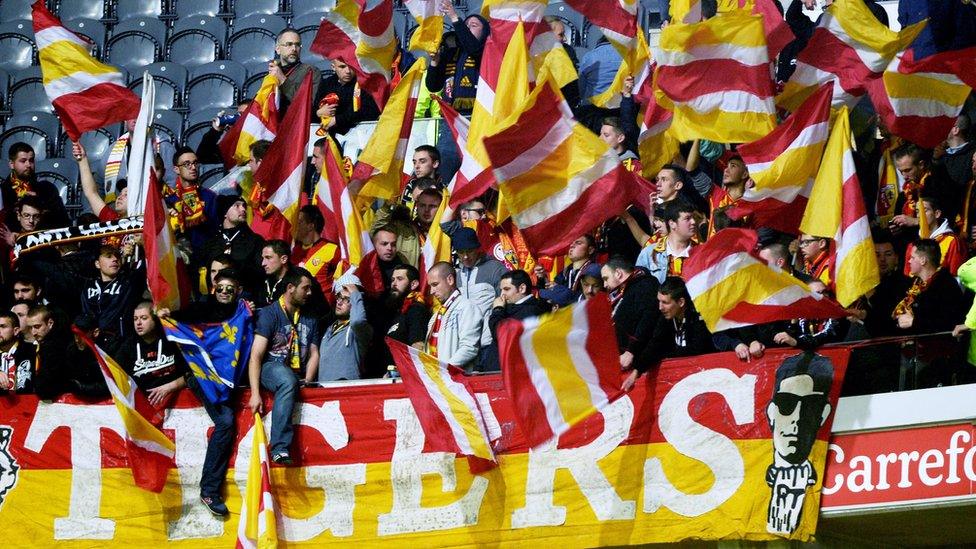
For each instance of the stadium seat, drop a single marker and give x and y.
(253, 83)
(214, 85)
(573, 20)
(170, 123)
(170, 84)
(307, 25)
(127, 9)
(187, 8)
(12, 10)
(91, 29)
(38, 129)
(210, 174)
(245, 8)
(253, 38)
(27, 92)
(75, 9)
(4, 88)
(196, 40)
(301, 8)
(197, 124)
(17, 45)
(63, 173)
(136, 43)
(98, 144)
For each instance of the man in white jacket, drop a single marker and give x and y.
(454, 330)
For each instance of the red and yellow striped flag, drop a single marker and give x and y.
(732, 286)
(656, 144)
(430, 24)
(783, 164)
(836, 210)
(259, 122)
(362, 36)
(446, 407)
(558, 178)
(920, 100)
(559, 368)
(380, 165)
(150, 452)
(736, 108)
(258, 526)
(78, 85)
(849, 47)
(167, 280)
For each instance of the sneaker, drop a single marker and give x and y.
(216, 505)
(282, 458)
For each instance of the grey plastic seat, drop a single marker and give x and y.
(127, 9)
(136, 42)
(27, 92)
(196, 40)
(98, 144)
(170, 84)
(301, 8)
(170, 123)
(213, 85)
(253, 38)
(74, 9)
(12, 10)
(197, 124)
(187, 8)
(4, 88)
(17, 45)
(245, 8)
(63, 173)
(90, 29)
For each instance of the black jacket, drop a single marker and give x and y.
(940, 307)
(245, 249)
(62, 367)
(529, 308)
(635, 314)
(345, 116)
(698, 341)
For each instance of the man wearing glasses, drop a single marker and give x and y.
(815, 251)
(346, 340)
(288, 69)
(799, 407)
(193, 207)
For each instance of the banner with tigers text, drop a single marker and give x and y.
(707, 447)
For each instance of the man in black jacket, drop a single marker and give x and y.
(516, 301)
(64, 364)
(679, 330)
(633, 292)
(235, 239)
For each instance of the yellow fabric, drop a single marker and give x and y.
(384, 151)
(64, 58)
(461, 414)
(686, 11)
(855, 265)
(264, 532)
(430, 25)
(264, 98)
(137, 428)
(635, 55)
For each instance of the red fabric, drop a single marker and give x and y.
(107, 213)
(155, 220)
(285, 155)
(228, 143)
(464, 189)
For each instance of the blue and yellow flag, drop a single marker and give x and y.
(216, 353)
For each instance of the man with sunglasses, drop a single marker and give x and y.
(799, 407)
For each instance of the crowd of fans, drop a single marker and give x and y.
(312, 326)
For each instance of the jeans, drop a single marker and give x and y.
(450, 159)
(219, 446)
(281, 380)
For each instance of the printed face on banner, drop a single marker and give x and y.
(797, 410)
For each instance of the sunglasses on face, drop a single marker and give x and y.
(787, 402)
(225, 289)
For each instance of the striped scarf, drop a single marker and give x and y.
(294, 359)
(439, 312)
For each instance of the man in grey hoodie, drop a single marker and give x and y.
(345, 341)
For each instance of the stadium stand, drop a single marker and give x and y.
(136, 42)
(170, 79)
(216, 84)
(196, 41)
(246, 8)
(170, 123)
(75, 9)
(63, 172)
(17, 45)
(40, 130)
(252, 38)
(125, 9)
(27, 92)
(91, 29)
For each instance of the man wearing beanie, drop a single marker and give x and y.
(236, 239)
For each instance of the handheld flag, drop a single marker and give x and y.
(836, 210)
(166, 278)
(849, 47)
(279, 179)
(558, 368)
(783, 165)
(558, 178)
(142, 155)
(78, 85)
(258, 527)
(446, 407)
(216, 353)
(732, 286)
(259, 122)
(733, 109)
(150, 452)
(430, 25)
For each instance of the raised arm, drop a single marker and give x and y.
(88, 186)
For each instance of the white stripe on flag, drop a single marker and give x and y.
(576, 343)
(79, 82)
(541, 383)
(730, 101)
(555, 203)
(747, 55)
(287, 194)
(434, 393)
(50, 35)
(540, 151)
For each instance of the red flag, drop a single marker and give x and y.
(228, 142)
(470, 181)
(165, 274)
(278, 181)
(778, 33)
(79, 87)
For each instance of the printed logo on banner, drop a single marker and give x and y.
(8, 465)
(798, 408)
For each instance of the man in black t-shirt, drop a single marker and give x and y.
(154, 362)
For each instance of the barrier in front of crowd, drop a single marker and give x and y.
(690, 453)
